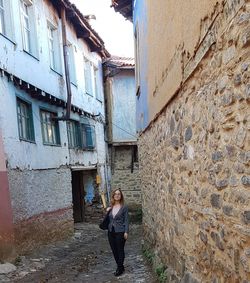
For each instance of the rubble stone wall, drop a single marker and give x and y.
(123, 178)
(195, 163)
(42, 206)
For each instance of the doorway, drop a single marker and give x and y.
(78, 196)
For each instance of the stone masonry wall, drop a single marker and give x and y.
(195, 167)
(42, 206)
(123, 178)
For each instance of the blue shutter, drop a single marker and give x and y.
(89, 140)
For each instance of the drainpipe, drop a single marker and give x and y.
(66, 65)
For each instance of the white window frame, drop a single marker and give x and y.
(6, 23)
(88, 76)
(71, 63)
(95, 69)
(97, 84)
(54, 47)
(28, 25)
(2, 17)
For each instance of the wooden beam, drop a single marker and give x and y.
(83, 34)
(96, 48)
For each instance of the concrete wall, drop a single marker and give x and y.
(194, 157)
(40, 175)
(42, 206)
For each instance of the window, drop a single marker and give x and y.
(2, 16)
(71, 64)
(50, 128)
(97, 84)
(28, 27)
(54, 47)
(88, 76)
(137, 60)
(25, 121)
(73, 129)
(5, 18)
(81, 136)
(88, 136)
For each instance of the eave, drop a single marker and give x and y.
(124, 7)
(82, 27)
(41, 95)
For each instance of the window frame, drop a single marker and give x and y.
(97, 84)
(137, 60)
(29, 125)
(7, 21)
(25, 20)
(53, 36)
(88, 76)
(2, 18)
(80, 136)
(71, 63)
(32, 48)
(75, 133)
(88, 129)
(55, 128)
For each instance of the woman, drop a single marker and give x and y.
(118, 229)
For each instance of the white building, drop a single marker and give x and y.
(51, 158)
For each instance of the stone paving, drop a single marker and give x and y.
(86, 257)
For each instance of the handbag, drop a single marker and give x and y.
(105, 222)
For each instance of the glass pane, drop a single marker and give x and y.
(53, 133)
(2, 27)
(88, 136)
(50, 134)
(20, 126)
(24, 128)
(45, 134)
(84, 140)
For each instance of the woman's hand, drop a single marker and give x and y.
(125, 236)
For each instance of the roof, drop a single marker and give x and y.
(124, 7)
(120, 62)
(82, 27)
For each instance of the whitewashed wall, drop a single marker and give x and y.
(26, 155)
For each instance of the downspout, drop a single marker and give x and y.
(66, 65)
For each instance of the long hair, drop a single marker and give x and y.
(113, 199)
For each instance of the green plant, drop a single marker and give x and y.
(17, 260)
(160, 270)
(148, 255)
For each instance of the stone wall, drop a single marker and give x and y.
(194, 165)
(123, 178)
(42, 206)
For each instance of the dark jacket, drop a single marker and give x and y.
(120, 221)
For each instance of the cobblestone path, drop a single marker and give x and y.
(86, 257)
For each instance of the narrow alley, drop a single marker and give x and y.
(86, 257)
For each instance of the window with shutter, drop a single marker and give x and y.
(25, 120)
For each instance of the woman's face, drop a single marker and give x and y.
(117, 195)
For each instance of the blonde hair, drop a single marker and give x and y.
(113, 199)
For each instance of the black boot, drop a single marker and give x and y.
(119, 271)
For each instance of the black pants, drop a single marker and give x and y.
(117, 243)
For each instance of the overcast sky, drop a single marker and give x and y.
(116, 31)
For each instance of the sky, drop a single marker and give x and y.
(113, 28)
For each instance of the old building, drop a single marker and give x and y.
(193, 115)
(52, 117)
(120, 99)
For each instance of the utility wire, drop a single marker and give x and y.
(120, 127)
(124, 130)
